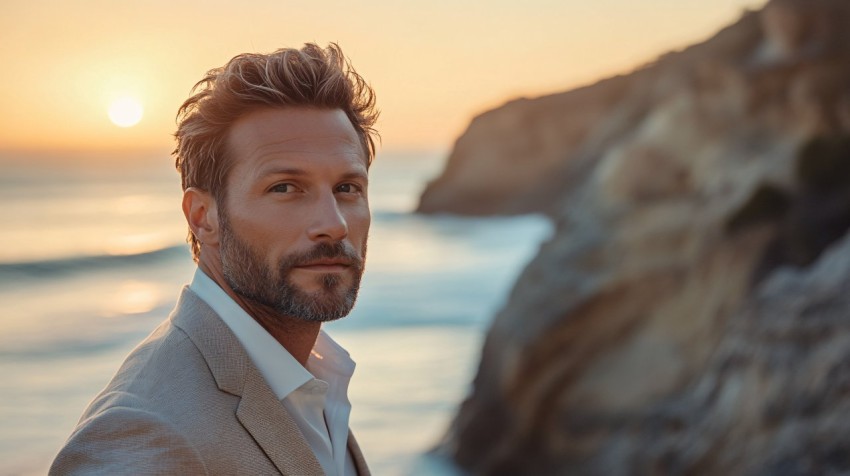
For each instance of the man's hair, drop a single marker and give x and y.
(289, 77)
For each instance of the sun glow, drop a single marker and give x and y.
(125, 111)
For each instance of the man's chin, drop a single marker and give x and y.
(319, 303)
(323, 313)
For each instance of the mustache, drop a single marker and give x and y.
(339, 250)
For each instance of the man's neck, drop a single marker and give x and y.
(296, 335)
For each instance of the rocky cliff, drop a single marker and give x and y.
(690, 314)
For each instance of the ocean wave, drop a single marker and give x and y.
(81, 264)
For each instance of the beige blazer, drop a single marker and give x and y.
(188, 400)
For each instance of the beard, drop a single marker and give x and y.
(251, 277)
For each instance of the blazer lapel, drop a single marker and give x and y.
(282, 442)
(259, 411)
(357, 456)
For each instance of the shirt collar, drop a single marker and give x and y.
(329, 361)
(282, 372)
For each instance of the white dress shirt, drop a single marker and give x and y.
(315, 396)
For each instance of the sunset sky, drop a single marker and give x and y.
(434, 65)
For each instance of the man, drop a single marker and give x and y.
(273, 151)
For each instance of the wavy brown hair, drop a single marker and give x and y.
(289, 77)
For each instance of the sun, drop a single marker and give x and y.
(126, 111)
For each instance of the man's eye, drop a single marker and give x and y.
(283, 188)
(349, 188)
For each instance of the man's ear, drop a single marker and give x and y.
(201, 213)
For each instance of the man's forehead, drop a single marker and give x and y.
(294, 146)
(290, 134)
(343, 157)
(293, 125)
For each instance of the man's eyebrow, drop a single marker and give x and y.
(282, 171)
(301, 172)
(355, 175)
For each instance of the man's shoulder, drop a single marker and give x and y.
(170, 358)
(177, 366)
(136, 422)
(161, 364)
(165, 375)
(164, 404)
(121, 439)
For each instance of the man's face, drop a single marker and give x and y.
(295, 219)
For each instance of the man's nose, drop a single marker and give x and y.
(328, 222)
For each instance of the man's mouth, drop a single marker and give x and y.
(326, 265)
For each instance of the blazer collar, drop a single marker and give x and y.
(259, 411)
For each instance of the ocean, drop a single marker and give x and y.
(92, 259)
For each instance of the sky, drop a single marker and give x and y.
(434, 65)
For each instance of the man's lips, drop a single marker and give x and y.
(327, 265)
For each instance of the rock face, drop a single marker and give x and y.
(690, 314)
(778, 70)
(493, 169)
